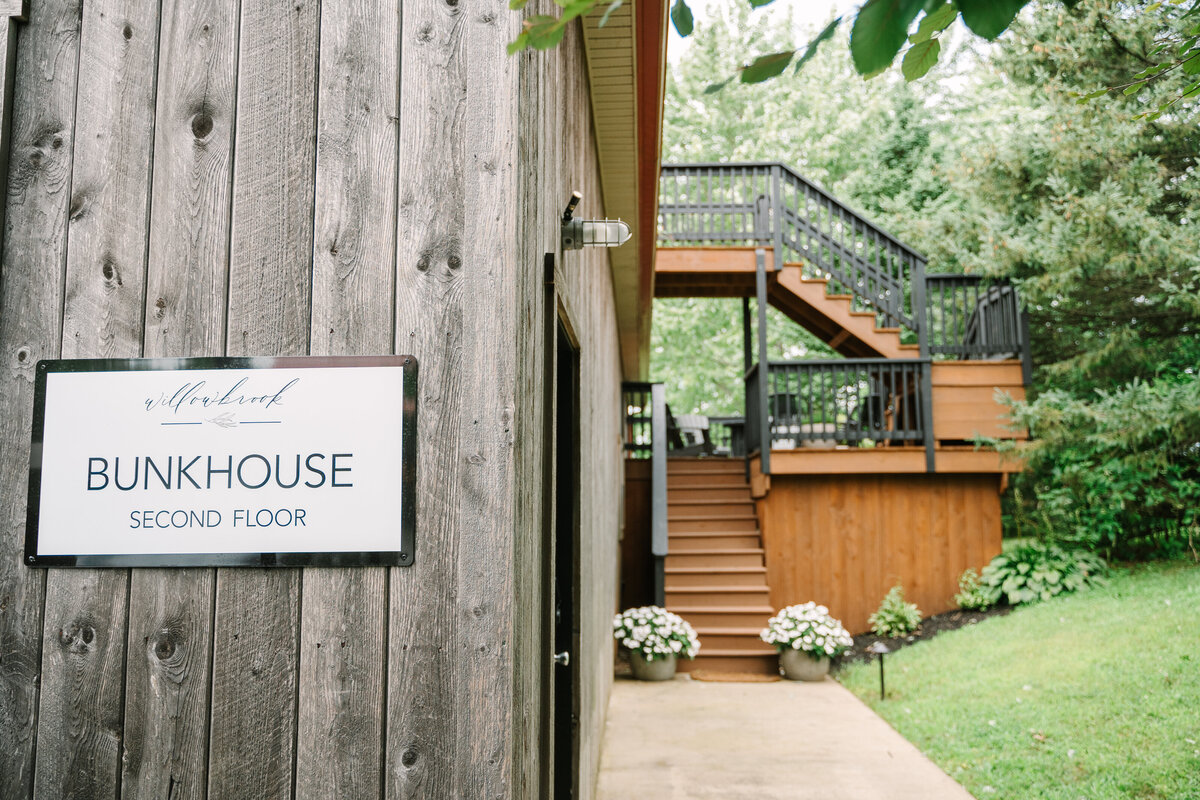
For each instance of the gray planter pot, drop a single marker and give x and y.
(660, 669)
(800, 666)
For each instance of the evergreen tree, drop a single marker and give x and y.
(1093, 213)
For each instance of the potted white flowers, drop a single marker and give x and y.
(806, 638)
(655, 638)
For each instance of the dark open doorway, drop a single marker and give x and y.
(566, 567)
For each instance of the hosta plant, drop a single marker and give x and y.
(973, 593)
(809, 628)
(1036, 571)
(655, 633)
(894, 617)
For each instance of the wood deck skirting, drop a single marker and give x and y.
(844, 541)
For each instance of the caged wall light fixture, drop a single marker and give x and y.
(580, 233)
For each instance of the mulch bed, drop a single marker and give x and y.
(930, 627)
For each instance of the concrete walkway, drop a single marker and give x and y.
(692, 740)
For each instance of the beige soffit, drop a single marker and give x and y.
(612, 68)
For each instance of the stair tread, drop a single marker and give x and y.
(721, 551)
(839, 297)
(678, 609)
(706, 502)
(712, 517)
(708, 534)
(713, 570)
(862, 313)
(701, 472)
(717, 589)
(887, 330)
(717, 630)
(735, 653)
(721, 486)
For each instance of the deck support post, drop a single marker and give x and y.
(764, 369)
(777, 213)
(927, 414)
(747, 346)
(1023, 351)
(747, 362)
(658, 487)
(920, 318)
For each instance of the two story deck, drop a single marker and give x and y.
(844, 476)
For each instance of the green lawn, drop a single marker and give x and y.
(1095, 695)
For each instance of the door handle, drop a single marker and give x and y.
(562, 659)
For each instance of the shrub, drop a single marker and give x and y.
(894, 617)
(1037, 571)
(973, 593)
(808, 628)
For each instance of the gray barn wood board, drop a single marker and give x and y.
(12, 13)
(168, 681)
(449, 682)
(256, 634)
(84, 638)
(344, 630)
(282, 178)
(30, 329)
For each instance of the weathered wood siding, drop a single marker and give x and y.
(844, 540)
(558, 154)
(275, 178)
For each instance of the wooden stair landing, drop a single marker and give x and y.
(730, 272)
(715, 573)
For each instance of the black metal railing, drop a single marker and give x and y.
(769, 205)
(972, 317)
(846, 401)
(715, 205)
(637, 432)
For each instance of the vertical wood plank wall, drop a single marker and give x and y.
(194, 178)
(557, 152)
(844, 540)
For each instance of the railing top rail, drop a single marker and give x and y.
(965, 276)
(733, 165)
(720, 164)
(834, 363)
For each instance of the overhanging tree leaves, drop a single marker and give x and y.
(882, 27)
(880, 30)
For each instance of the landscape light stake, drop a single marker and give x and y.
(880, 649)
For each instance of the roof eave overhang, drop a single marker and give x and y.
(626, 75)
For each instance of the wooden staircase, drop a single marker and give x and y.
(715, 574)
(832, 319)
(730, 272)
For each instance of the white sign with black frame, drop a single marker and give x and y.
(223, 462)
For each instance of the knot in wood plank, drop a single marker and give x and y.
(77, 638)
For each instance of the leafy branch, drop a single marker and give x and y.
(880, 30)
(1173, 51)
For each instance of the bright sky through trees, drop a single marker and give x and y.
(810, 16)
